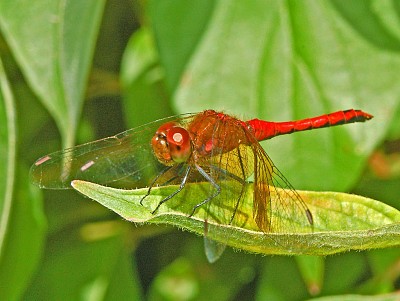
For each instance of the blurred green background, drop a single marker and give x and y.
(74, 71)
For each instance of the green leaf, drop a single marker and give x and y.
(382, 263)
(312, 270)
(24, 240)
(7, 154)
(142, 81)
(377, 14)
(22, 222)
(334, 266)
(180, 271)
(276, 273)
(54, 52)
(87, 264)
(193, 19)
(383, 297)
(342, 222)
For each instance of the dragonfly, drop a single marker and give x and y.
(210, 146)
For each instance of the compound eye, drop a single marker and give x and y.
(160, 149)
(160, 145)
(178, 140)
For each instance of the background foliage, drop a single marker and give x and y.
(74, 71)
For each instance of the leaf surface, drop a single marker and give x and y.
(342, 222)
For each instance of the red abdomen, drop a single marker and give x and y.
(264, 130)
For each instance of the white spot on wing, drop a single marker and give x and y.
(42, 160)
(87, 165)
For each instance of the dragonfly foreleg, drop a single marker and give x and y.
(153, 183)
(181, 186)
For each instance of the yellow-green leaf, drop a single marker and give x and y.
(342, 222)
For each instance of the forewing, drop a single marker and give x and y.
(125, 160)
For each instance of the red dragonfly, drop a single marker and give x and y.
(210, 147)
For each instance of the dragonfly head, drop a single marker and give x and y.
(171, 144)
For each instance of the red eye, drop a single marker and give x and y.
(178, 140)
(160, 144)
(163, 130)
(171, 144)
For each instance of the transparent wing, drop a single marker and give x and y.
(278, 208)
(213, 249)
(125, 160)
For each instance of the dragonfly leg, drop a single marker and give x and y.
(212, 181)
(181, 186)
(153, 183)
